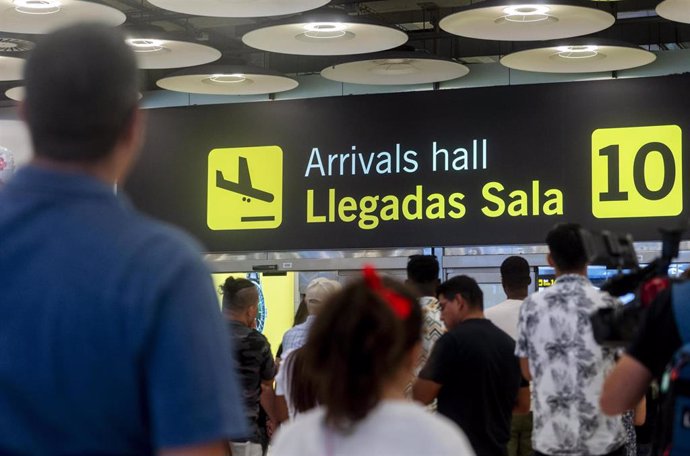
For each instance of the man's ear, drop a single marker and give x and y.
(462, 304)
(549, 260)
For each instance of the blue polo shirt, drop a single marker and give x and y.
(111, 337)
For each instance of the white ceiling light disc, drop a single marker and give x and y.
(227, 80)
(579, 58)
(44, 16)
(155, 53)
(526, 22)
(238, 8)
(674, 10)
(11, 68)
(16, 93)
(396, 69)
(328, 37)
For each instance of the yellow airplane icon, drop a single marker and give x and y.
(243, 186)
(231, 186)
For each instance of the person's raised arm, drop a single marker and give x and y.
(625, 386)
(425, 391)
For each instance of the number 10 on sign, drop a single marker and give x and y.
(637, 172)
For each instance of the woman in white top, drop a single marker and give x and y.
(360, 353)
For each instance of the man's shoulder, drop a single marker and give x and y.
(508, 306)
(153, 242)
(250, 340)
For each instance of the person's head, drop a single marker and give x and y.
(81, 100)
(366, 338)
(515, 277)
(422, 274)
(460, 298)
(317, 293)
(566, 251)
(240, 300)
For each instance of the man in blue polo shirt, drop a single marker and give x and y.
(111, 338)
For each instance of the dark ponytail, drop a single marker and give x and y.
(356, 344)
(234, 298)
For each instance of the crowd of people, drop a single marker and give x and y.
(111, 342)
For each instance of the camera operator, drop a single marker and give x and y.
(650, 352)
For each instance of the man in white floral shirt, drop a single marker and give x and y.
(557, 349)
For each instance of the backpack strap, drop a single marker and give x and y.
(680, 300)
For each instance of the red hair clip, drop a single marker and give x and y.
(398, 303)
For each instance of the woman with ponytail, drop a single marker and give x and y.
(360, 355)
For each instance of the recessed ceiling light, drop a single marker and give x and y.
(325, 34)
(577, 52)
(145, 44)
(44, 16)
(221, 78)
(227, 80)
(37, 6)
(395, 68)
(239, 8)
(501, 21)
(526, 13)
(579, 57)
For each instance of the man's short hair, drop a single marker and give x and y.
(464, 286)
(422, 268)
(566, 247)
(515, 272)
(238, 294)
(319, 291)
(82, 88)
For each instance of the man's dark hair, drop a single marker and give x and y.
(81, 91)
(422, 269)
(566, 247)
(464, 286)
(237, 296)
(515, 272)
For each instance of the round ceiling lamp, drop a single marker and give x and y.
(325, 35)
(227, 80)
(675, 10)
(16, 93)
(396, 68)
(490, 20)
(154, 51)
(14, 45)
(19, 93)
(11, 68)
(579, 57)
(239, 8)
(44, 16)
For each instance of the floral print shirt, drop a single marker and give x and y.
(568, 369)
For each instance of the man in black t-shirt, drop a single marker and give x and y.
(253, 359)
(472, 369)
(647, 357)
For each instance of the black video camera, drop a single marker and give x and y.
(617, 327)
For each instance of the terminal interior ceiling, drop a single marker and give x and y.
(637, 24)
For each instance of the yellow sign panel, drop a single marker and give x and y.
(245, 188)
(637, 172)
